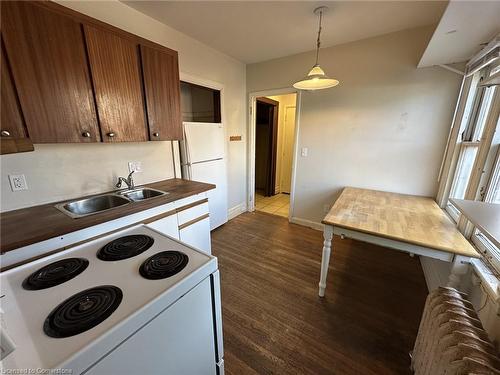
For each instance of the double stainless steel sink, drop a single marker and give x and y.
(99, 203)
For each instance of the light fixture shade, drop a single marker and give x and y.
(316, 80)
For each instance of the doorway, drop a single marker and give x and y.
(274, 151)
(266, 141)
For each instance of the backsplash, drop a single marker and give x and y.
(57, 172)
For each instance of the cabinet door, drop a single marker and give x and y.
(197, 235)
(114, 63)
(12, 119)
(162, 87)
(49, 66)
(13, 133)
(167, 225)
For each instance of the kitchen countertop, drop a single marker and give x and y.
(30, 225)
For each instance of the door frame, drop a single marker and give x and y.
(273, 145)
(252, 100)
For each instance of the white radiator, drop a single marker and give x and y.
(451, 339)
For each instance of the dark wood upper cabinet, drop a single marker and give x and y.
(12, 118)
(47, 57)
(161, 85)
(116, 73)
(13, 133)
(67, 77)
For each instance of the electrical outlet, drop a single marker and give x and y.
(18, 182)
(135, 166)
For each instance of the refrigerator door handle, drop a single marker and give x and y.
(205, 161)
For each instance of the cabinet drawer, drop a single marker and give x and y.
(167, 225)
(193, 212)
(197, 235)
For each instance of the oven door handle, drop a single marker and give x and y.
(217, 313)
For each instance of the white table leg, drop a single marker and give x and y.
(325, 261)
(459, 267)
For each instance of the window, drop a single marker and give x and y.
(491, 194)
(471, 136)
(474, 170)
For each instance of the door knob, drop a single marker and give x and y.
(156, 134)
(86, 134)
(5, 133)
(111, 134)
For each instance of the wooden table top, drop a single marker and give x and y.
(407, 218)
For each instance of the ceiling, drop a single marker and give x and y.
(254, 31)
(464, 27)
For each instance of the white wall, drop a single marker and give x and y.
(384, 127)
(89, 169)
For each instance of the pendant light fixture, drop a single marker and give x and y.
(316, 78)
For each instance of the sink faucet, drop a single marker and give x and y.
(129, 181)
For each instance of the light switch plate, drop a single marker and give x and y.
(18, 182)
(304, 151)
(135, 166)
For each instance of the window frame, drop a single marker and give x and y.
(473, 124)
(470, 117)
(483, 244)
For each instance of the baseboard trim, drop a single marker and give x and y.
(236, 210)
(307, 223)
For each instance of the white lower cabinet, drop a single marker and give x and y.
(190, 224)
(167, 225)
(197, 235)
(192, 213)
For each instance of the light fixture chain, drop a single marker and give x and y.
(318, 42)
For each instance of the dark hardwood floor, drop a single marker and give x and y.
(274, 321)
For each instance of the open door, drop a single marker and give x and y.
(266, 140)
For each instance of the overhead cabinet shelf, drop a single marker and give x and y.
(67, 78)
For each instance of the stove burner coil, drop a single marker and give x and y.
(55, 273)
(83, 311)
(125, 247)
(163, 265)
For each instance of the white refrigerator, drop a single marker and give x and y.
(203, 159)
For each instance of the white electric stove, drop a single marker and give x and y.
(132, 302)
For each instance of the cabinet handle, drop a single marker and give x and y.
(111, 134)
(194, 221)
(156, 134)
(86, 134)
(5, 133)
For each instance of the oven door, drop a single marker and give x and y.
(179, 340)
